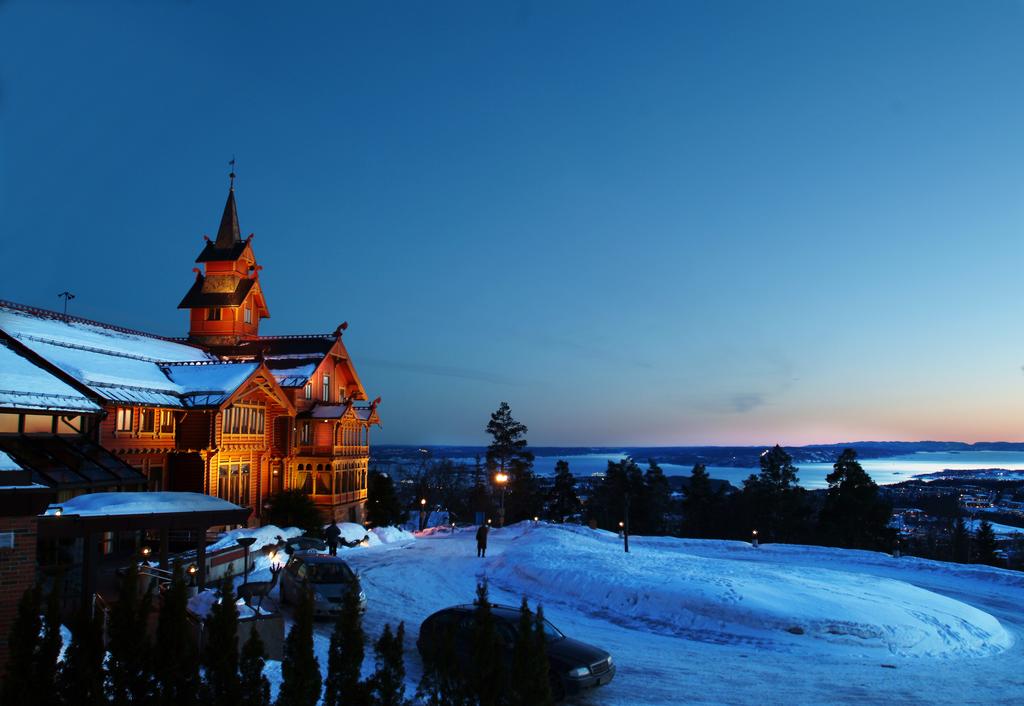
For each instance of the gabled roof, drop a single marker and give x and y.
(211, 292)
(25, 385)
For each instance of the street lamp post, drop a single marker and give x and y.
(245, 543)
(423, 514)
(501, 478)
(753, 539)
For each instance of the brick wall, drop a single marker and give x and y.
(17, 572)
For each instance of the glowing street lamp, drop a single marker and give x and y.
(423, 514)
(753, 539)
(501, 478)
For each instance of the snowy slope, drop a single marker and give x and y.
(722, 622)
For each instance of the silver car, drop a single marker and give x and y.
(328, 577)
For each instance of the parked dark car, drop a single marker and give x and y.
(328, 577)
(574, 666)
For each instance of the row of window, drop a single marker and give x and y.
(11, 423)
(239, 419)
(325, 390)
(328, 481)
(344, 435)
(149, 420)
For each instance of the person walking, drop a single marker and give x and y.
(481, 540)
(333, 533)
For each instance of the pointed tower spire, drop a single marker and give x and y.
(229, 233)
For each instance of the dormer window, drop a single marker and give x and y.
(213, 314)
(306, 433)
(309, 390)
(327, 388)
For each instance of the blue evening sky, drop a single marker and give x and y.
(639, 223)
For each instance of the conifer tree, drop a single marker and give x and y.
(177, 663)
(508, 453)
(542, 692)
(654, 505)
(388, 680)
(300, 671)
(522, 659)
(564, 500)
(344, 685)
(49, 650)
(80, 677)
(777, 504)
(130, 680)
(960, 541)
(985, 544)
(701, 505)
(221, 685)
(486, 674)
(854, 515)
(442, 683)
(254, 687)
(19, 685)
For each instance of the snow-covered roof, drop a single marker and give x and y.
(144, 503)
(126, 366)
(208, 384)
(25, 385)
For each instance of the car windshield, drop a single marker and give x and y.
(328, 573)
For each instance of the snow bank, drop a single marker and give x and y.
(391, 535)
(740, 600)
(353, 532)
(203, 602)
(268, 535)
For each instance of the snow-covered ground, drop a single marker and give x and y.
(721, 622)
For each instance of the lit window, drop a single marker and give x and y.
(309, 390)
(243, 420)
(146, 420)
(166, 421)
(248, 315)
(124, 418)
(306, 435)
(327, 388)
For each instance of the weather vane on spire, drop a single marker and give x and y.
(231, 175)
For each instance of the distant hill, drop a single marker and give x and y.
(734, 456)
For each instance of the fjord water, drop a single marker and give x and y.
(812, 475)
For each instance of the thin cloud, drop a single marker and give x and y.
(440, 371)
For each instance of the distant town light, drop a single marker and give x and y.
(423, 501)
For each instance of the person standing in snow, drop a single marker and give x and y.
(333, 533)
(481, 540)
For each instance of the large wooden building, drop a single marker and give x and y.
(225, 411)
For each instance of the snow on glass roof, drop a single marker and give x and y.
(9, 464)
(24, 385)
(141, 503)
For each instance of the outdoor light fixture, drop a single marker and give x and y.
(500, 477)
(753, 538)
(192, 569)
(423, 501)
(146, 551)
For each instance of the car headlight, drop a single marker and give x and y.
(362, 596)
(579, 672)
(610, 663)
